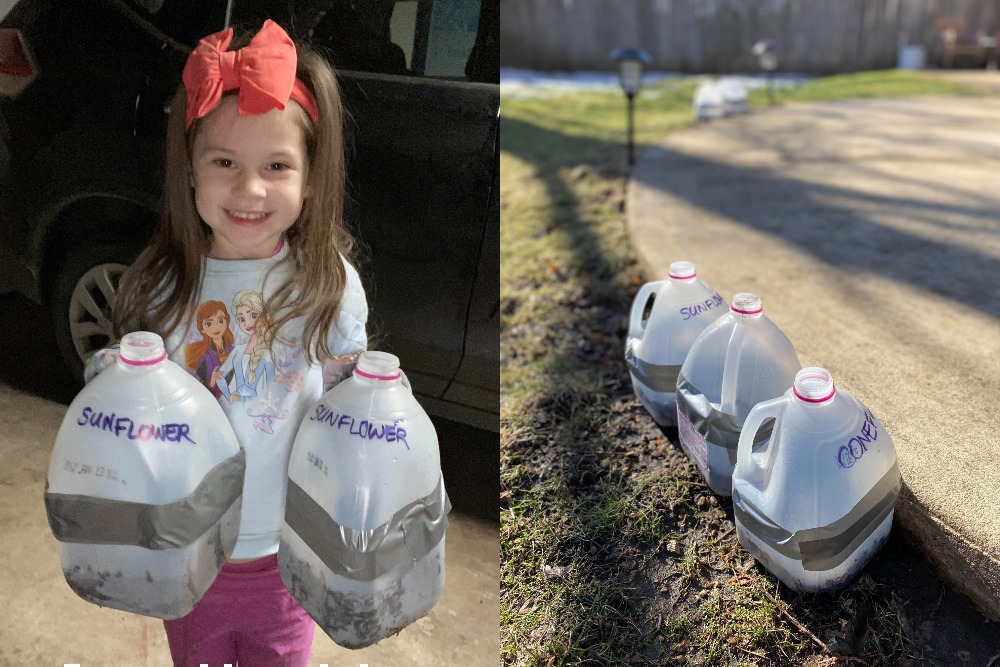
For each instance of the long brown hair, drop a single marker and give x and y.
(166, 278)
(195, 351)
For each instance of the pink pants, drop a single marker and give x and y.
(248, 618)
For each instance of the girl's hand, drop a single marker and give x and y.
(235, 396)
(338, 369)
(98, 362)
(216, 376)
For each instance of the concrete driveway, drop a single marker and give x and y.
(872, 231)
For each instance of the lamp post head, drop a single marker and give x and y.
(630, 63)
(766, 51)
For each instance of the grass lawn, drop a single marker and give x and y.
(613, 551)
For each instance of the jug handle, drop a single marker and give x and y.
(636, 325)
(749, 465)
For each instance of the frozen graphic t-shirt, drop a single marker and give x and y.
(260, 376)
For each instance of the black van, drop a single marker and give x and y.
(83, 89)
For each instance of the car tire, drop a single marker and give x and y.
(81, 300)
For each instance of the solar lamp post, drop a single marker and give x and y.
(630, 64)
(766, 52)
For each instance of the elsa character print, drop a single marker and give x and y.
(251, 361)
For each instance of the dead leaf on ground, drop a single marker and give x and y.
(555, 572)
(567, 493)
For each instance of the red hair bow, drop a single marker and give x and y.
(263, 71)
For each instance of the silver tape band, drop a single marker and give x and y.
(85, 519)
(825, 547)
(717, 427)
(366, 555)
(656, 377)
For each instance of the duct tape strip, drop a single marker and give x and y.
(825, 547)
(717, 427)
(83, 519)
(366, 555)
(655, 377)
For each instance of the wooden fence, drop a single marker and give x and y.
(715, 36)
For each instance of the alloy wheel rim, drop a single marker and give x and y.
(90, 308)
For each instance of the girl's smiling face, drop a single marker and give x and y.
(216, 325)
(249, 177)
(247, 317)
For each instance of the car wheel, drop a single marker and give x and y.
(81, 304)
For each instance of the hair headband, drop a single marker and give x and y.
(263, 71)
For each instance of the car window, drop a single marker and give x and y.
(443, 39)
(428, 38)
(446, 42)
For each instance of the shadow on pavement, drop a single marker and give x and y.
(846, 237)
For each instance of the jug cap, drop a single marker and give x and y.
(746, 303)
(142, 348)
(378, 366)
(682, 270)
(813, 385)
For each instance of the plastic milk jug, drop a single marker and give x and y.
(145, 485)
(815, 503)
(657, 346)
(362, 546)
(737, 362)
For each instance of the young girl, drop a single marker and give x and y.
(253, 202)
